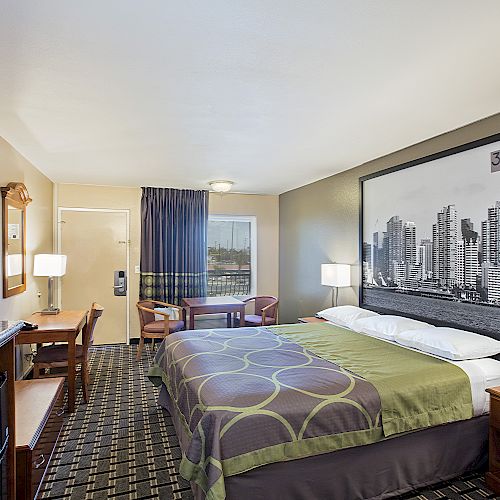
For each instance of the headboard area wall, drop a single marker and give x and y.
(321, 223)
(430, 238)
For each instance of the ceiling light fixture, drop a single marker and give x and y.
(221, 186)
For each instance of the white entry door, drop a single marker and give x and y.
(96, 243)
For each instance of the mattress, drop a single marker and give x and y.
(225, 383)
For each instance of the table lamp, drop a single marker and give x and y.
(335, 275)
(50, 265)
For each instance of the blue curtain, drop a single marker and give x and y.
(173, 244)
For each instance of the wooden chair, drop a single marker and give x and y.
(266, 311)
(157, 329)
(56, 355)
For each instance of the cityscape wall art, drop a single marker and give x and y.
(430, 238)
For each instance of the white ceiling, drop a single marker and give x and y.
(270, 94)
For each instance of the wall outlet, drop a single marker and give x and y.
(137, 269)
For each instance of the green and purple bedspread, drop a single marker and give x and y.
(253, 396)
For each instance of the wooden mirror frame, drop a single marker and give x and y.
(14, 194)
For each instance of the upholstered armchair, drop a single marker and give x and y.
(157, 329)
(266, 311)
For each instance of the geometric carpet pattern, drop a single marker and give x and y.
(122, 445)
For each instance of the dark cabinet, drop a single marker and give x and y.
(39, 419)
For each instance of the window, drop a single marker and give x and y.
(231, 255)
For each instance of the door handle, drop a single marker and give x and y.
(120, 283)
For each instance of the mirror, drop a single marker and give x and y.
(15, 198)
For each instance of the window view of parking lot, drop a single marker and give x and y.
(229, 259)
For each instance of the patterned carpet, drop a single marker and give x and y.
(122, 445)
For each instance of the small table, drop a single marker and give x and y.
(62, 327)
(213, 305)
(312, 319)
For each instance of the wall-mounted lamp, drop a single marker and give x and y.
(336, 276)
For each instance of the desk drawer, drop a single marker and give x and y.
(32, 458)
(41, 453)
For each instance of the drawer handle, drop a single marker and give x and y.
(40, 463)
(60, 413)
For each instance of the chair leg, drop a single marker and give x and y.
(85, 387)
(36, 371)
(139, 348)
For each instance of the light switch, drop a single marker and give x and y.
(137, 269)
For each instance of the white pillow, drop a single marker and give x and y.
(450, 343)
(387, 326)
(345, 315)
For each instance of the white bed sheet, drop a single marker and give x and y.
(483, 373)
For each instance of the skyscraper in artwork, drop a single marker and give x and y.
(471, 269)
(445, 240)
(395, 248)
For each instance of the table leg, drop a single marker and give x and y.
(242, 316)
(229, 323)
(71, 373)
(191, 318)
(184, 318)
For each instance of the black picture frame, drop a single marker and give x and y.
(415, 163)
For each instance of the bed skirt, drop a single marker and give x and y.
(375, 471)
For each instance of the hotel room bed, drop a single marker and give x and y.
(317, 411)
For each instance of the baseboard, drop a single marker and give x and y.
(135, 341)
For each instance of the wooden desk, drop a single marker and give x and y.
(62, 327)
(213, 305)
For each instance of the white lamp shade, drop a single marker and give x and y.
(14, 264)
(49, 265)
(336, 275)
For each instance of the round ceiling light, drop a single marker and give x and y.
(221, 186)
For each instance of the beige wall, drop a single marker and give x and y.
(319, 223)
(16, 168)
(88, 196)
(265, 208)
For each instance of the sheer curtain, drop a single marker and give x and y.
(173, 244)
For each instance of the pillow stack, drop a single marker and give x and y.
(448, 343)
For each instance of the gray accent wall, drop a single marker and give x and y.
(319, 223)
